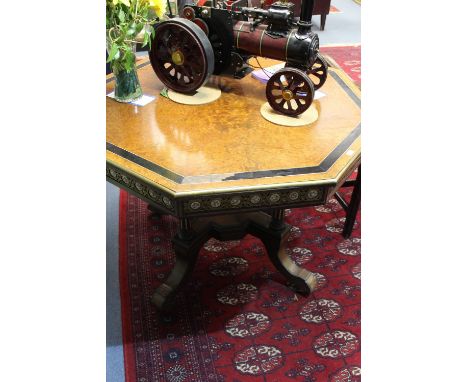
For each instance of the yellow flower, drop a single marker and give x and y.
(159, 7)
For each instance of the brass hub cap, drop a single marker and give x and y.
(177, 57)
(287, 95)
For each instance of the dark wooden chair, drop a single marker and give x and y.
(353, 206)
(321, 7)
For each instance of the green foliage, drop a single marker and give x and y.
(127, 22)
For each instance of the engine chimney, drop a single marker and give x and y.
(305, 21)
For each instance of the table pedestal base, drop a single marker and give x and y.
(271, 230)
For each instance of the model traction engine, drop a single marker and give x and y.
(221, 39)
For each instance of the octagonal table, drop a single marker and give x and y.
(224, 171)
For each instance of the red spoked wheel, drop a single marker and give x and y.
(318, 72)
(203, 26)
(290, 91)
(181, 55)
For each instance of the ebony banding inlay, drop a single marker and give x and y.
(179, 179)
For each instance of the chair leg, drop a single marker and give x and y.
(353, 207)
(323, 18)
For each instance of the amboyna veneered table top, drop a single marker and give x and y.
(227, 145)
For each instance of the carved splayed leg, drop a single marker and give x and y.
(186, 249)
(275, 240)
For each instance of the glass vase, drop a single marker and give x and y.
(127, 85)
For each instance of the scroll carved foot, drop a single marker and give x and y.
(186, 257)
(300, 279)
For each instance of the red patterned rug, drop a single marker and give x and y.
(236, 320)
(348, 58)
